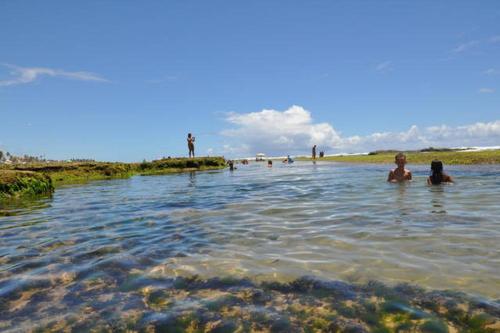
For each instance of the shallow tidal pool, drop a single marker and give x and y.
(188, 251)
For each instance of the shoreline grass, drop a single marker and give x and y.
(412, 157)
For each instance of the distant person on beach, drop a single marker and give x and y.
(437, 175)
(314, 152)
(400, 174)
(190, 140)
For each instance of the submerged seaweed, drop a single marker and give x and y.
(190, 304)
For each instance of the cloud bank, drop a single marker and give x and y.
(294, 131)
(23, 75)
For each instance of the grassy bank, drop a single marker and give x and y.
(17, 180)
(447, 157)
(22, 183)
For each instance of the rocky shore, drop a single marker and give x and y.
(41, 178)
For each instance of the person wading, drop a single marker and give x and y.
(400, 174)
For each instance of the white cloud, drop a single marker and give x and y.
(384, 66)
(492, 71)
(486, 91)
(293, 131)
(465, 46)
(23, 75)
(273, 131)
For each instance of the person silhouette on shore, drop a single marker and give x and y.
(190, 140)
(314, 152)
(400, 174)
(437, 175)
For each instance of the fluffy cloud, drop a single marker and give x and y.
(23, 75)
(293, 131)
(276, 131)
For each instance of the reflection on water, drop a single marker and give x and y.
(437, 201)
(261, 223)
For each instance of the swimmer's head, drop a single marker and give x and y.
(400, 159)
(437, 166)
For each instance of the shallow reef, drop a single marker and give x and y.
(137, 303)
(17, 180)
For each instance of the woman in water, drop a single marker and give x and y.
(437, 175)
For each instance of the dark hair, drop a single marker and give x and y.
(399, 155)
(436, 172)
(189, 135)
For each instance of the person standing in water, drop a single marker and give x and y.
(314, 152)
(400, 174)
(437, 175)
(190, 140)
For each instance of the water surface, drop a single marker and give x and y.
(329, 220)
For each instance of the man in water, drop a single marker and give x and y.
(400, 174)
(190, 140)
(314, 152)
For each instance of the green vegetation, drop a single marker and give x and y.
(37, 178)
(421, 157)
(22, 183)
(171, 165)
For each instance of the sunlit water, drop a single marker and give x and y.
(333, 221)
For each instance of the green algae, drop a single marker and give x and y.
(230, 305)
(41, 178)
(16, 184)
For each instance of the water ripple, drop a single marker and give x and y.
(330, 220)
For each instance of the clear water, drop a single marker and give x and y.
(334, 221)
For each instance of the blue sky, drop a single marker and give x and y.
(128, 80)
